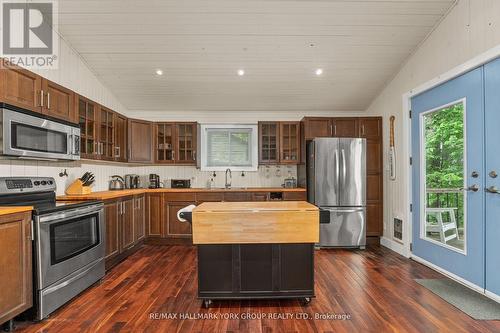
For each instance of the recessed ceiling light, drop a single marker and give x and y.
(241, 72)
(319, 71)
(159, 72)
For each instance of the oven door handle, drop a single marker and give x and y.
(69, 281)
(76, 213)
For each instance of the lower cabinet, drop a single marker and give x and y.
(125, 225)
(161, 210)
(112, 229)
(255, 270)
(174, 227)
(139, 217)
(16, 265)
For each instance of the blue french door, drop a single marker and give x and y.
(448, 176)
(492, 183)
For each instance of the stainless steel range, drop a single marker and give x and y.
(69, 240)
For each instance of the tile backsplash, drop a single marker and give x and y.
(266, 176)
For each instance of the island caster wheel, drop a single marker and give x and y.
(8, 326)
(207, 303)
(306, 300)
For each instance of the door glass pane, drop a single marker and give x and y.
(72, 237)
(444, 156)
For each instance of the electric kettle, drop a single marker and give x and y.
(116, 183)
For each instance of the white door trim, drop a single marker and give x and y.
(475, 62)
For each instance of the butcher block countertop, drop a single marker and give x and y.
(255, 222)
(107, 195)
(15, 209)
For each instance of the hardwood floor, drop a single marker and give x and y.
(375, 287)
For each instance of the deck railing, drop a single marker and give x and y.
(447, 198)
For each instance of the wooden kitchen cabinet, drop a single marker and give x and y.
(165, 143)
(107, 135)
(87, 119)
(120, 138)
(289, 142)
(237, 196)
(345, 127)
(127, 222)
(20, 87)
(186, 143)
(154, 219)
(139, 218)
(111, 213)
(174, 227)
(316, 127)
(175, 143)
(16, 274)
(269, 140)
(370, 128)
(279, 142)
(59, 101)
(140, 141)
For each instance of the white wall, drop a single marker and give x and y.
(471, 28)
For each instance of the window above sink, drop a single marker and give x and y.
(224, 146)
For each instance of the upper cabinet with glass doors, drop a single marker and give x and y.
(279, 142)
(175, 143)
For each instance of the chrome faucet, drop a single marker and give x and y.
(228, 185)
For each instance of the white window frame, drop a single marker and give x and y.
(254, 146)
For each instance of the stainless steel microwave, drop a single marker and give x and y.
(27, 136)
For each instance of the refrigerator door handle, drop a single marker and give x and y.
(343, 166)
(337, 170)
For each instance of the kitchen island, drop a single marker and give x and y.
(250, 250)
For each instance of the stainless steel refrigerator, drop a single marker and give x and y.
(335, 176)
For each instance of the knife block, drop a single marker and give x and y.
(77, 188)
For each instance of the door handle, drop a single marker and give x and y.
(344, 171)
(48, 100)
(472, 188)
(493, 189)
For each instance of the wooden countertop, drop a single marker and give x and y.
(266, 222)
(255, 206)
(107, 195)
(15, 209)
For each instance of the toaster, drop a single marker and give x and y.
(180, 183)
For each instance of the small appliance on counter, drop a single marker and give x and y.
(154, 181)
(81, 185)
(116, 183)
(180, 183)
(290, 183)
(132, 181)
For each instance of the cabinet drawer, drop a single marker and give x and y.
(260, 196)
(207, 197)
(297, 196)
(180, 196)
(237, 196)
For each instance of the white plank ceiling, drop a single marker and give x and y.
(201, 44)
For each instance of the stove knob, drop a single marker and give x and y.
(44, 182)
(51, 182)
(36, 183)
